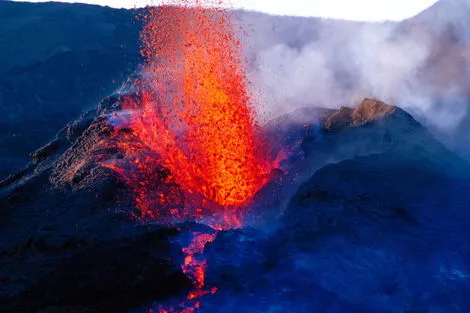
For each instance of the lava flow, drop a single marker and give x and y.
(204, 160)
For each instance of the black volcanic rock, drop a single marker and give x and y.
(109, 275)
(56, 61)
(385, 229)
(67, 235)
(388, 230)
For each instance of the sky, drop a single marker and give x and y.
(364, 10)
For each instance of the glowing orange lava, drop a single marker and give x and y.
(197, 110)
(191, 264)
(193, 113)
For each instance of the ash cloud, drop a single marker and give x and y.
(420, 64)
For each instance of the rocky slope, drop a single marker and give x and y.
(386, 231)
(369, 184)
(371, 128)
(57, 60)
(380, 229)
(74, 242)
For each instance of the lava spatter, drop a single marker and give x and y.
(199, 157)
(197, 104)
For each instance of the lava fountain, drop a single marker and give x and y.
(195, 107)
(194, 113)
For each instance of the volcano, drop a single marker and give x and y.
(346, 205)
(173, 195)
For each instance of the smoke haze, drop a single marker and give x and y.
(420, 64)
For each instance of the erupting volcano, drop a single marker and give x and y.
(194, 114)
(232, 174)
(195, 110)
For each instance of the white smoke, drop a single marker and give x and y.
(307, 62)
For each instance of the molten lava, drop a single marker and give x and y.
(196, 111)
(193, 117)
(191, 265)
